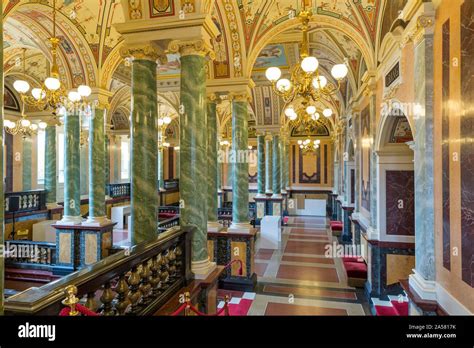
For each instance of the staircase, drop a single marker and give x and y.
(395, 306)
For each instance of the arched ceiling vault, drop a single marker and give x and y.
(91, 45)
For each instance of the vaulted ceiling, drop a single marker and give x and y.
(254, 34)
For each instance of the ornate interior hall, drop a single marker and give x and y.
(237, 158)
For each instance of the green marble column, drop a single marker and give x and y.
(2, 201)
(72, 170)
(27, 158)
(268, 165)
(240, 178)
(285, 167)
(276, 167)
(212, 172)
(97, 213)
(219, 176)
(144, 151)
(84, 169)
(261, 165)
(50, 176)
(117, 142)
(177, 152)
(161, 170)
(193, 147)
(107, 161)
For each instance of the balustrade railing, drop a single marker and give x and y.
(224, 215)
(118, 190)
(137, 281)
(25, 201)
(167, 224)
(29, 253)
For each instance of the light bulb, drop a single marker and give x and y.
(74, 96)
(293, 117)
(43, 125)
(11, 124)
(38, 93)
(339, 71)
(318, 142)
(300, 142)
(309, 65)
(311, 109)
(25, 123)
(177, 148)
(84, 91)
(289, 111)
(167, 120)
(320, 82)
(315, 117)
(273, 74)
(21, 86)
(34, 127)
(327, 112)
(283, 85)
(301, 146)
(160, 122)
(52, 83)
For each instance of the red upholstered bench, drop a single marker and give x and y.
(167, 215)
(336, 228)
(356, 270)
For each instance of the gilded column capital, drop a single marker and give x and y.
(424, 25)
(212, 98)
(268, 137)
(145, 52)
(191, 48)
(240, 97)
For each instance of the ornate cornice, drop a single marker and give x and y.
(191, 48)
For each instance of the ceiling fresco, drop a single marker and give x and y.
(247, 43)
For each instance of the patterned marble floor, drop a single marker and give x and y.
(297, 278)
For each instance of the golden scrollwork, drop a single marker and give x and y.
(191, 48)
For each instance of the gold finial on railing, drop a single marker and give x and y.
(187, 299)
(71, 300)
(226, 300)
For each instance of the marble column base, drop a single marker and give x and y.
(243, 227)
(268, 192)
(426, 289)
(214, 226)
(55, 205)
(70, 221)
(202, 269)
(97, 221)
(261, 195)
(277, 196)
(284, 192)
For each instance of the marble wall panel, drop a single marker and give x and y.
(400, 202)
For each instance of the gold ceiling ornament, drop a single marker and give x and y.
(309, 146)
(163, 122)
(52, 93)
(306, 81)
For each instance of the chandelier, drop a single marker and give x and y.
(163, 122)
(304, 114)
(52, 93)
(23, 127)
(309, 146)
(306, 81)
